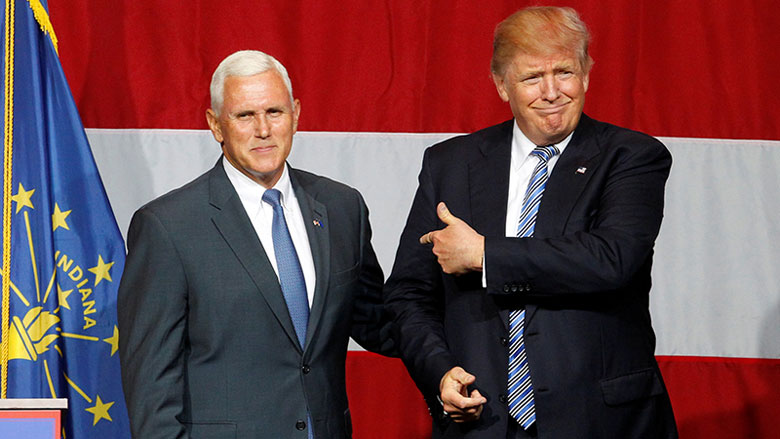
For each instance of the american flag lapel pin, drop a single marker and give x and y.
(581, 170)
(318, 223)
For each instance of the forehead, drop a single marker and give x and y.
(262, 89)
(529, 62)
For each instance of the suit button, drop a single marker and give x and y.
(305, 369)
(300, 425)
(506, 288)
(504, 341)
(502, 398)
(514, 288)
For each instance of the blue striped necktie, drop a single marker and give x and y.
(520, 389)
(290, 273)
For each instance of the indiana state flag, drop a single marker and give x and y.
(62, 253)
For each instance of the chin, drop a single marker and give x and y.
(555, 130)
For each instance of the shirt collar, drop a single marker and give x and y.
(522, 146)
(251, 193)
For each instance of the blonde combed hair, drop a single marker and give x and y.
(541, 31)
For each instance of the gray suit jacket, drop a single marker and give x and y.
(207, 346)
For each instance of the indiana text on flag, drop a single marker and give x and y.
(62, 252)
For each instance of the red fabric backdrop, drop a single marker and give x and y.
(711, 397)
(689, 69)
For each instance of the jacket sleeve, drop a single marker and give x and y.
(152, 314)
(414, 295)
(607, 241)
(371, 322)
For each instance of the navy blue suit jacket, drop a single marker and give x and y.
(584, 279)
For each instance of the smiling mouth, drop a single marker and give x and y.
(551, 110)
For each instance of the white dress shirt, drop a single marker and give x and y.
(261, 215)
(520, 171)
(521, 168)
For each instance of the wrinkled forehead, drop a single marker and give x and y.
(552, 61)
(264, 89)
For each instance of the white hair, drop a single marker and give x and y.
(244, 63)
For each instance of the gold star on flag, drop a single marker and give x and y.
(23, 198)
(113, 341)
(58, 218)
(101, 270)
(100, 411)
(63, 296)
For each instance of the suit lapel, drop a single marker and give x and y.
(236, 229)
(489, 187)
(489, 182)
(315, 218)
(567, 181)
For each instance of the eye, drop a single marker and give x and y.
(244, 115)
(531, 80)
(274, 112)
(565, 74)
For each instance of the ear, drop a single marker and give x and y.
(213, 121)
(501, 87)
(296, 114)
(585, 80)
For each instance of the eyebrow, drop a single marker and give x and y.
(563, 67)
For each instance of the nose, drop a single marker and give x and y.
(550, 88)
(262, 127)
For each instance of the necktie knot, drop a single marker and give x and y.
(272, 197)
(545, 153)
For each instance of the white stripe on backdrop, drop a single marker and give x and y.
(716, 287)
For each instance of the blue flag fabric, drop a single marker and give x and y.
(66, 252)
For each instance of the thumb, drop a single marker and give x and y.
(445, 215)
(476, 395)
(463, 377)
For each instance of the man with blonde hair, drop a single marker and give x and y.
(242, 288)
(521, 283)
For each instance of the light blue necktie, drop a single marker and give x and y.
(520, 389)
(290, 272)
(290, 275)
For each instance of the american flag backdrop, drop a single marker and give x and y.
(381, 80)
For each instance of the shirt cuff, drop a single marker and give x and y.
(484, 272)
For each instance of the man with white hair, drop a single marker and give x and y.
(242, 288)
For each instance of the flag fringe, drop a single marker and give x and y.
(42, 17)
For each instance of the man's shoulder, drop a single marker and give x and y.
(184, 199)
(471, 143)
(610, 134)
(319, 186)
(618, 145)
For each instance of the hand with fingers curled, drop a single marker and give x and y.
(458, 247)
(458, 404)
